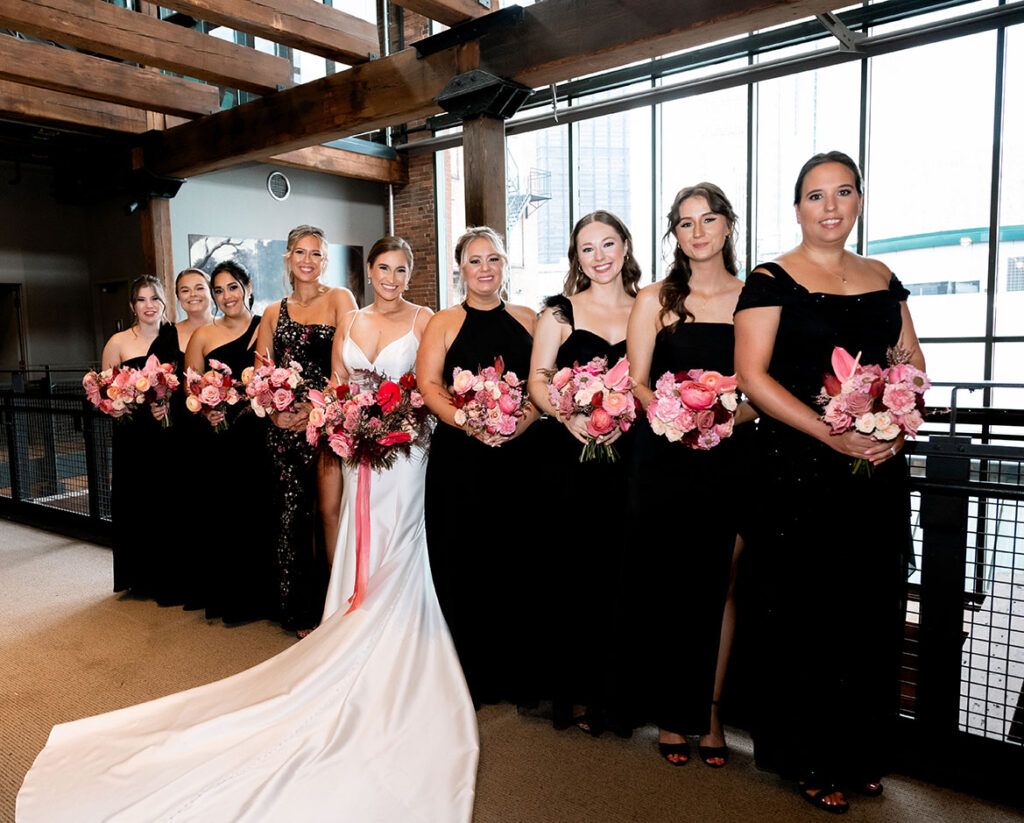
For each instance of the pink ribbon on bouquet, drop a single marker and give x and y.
(362, 534)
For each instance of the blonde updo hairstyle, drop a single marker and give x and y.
(490, 235)
(294, 236)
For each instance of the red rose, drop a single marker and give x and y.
(395, 437)
(407, 381)
(342, 390)
(388, 396)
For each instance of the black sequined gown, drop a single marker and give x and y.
(582, 576)
(685, 513)
(142, 494)
(829, 553)
(301, 579)
(239, 572)
(478, 504)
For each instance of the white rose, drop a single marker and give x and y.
(729, 401)
(865, 423)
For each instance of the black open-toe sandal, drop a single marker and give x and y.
(819, 799)
(709, 753)
(682, 750)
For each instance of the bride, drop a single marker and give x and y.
(366, 719)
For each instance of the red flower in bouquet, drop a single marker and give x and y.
(874, 401)
(120, 391)
(210, 392)
(603, 395)
(695, 407)
(105, 390)
(490, 401)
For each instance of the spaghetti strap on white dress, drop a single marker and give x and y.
(367, 719)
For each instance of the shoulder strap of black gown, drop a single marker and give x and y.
(561, 307)
(776, 270)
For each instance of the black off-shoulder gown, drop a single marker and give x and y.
(829, 553)
(685, 506)
(239, 568)
(479, 501)
(301, 579)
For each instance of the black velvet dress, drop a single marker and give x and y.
(685, 506)
(582, 568)
(478, 506)
(301, 579)
(142, 491)
(238, 583)
(829, 553)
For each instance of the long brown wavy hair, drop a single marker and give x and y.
(137, 285)
(575, 280)
(676, 285)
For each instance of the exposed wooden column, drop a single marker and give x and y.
(483, 154)
(156, 247)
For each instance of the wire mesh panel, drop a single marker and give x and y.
(55, 453)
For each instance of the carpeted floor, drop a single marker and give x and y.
(69, 648)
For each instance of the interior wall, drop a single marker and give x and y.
(236, 203)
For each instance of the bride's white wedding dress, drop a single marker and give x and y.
(367, 719)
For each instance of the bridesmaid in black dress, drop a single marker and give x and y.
(192, 290)
(831, 548)
(587, 320)
(301, 328)
(236, 574)
(141, 547)
(681, 323)
(478, 488)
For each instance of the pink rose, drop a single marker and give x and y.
(210, 396)
(507, 404)
(507, 426)
(462, 380)
(340, 444)
(858, 403)
(695, 395)
(705, 419)
(282, 399)
(912, 422)
(375, 423)
(599, 423)
(724, 429)
(836, 418)
(616, 403)
(415, 399)
(665, 408)
(279, 376)
(560, 378)
(365, 399)
(685, 421)
(351, 417)
(665, 383)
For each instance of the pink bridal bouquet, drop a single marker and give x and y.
(212, 391)
(603, 395)
(491, 401)
(695, 407)
(370, 422)
(119, 391)
(273, 388)
(880, 403)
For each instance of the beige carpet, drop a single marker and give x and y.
(69, 648)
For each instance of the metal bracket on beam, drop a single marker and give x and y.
(470, 30)
(848, 40)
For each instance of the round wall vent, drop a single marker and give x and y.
(278, 185)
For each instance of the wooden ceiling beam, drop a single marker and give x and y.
(390, 90)
(55, 108)
(307, 25)
(563, 39)
(345, 164)
(557, 40)
(449, 12)
(57, 69)
(107, 29)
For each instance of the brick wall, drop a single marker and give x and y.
(414, 207)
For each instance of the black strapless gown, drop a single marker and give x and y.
(479, 501)
(301, 576)
(685, 505)
(829, 552)
(238, 571)
(583, 570)
(142, 495)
